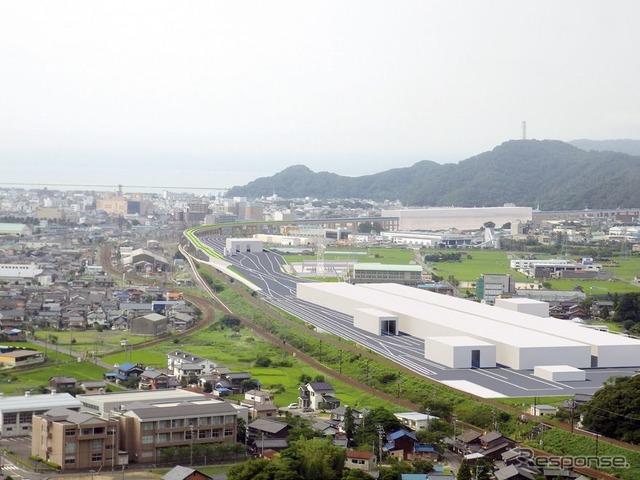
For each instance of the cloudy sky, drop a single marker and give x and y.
(215, 94)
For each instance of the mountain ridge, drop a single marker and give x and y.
(548, 173)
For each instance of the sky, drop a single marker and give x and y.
(214, 94)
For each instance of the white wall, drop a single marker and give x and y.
(530, 307)
(516, 347)
(370, 319)
(444, 352)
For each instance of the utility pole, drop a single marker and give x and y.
(191, 445)
(380, 439)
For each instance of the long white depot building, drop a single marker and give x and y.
(443, 218)
(607, 349)
(515, 346)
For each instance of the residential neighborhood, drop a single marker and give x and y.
(116, 281)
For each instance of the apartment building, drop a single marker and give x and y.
(75, 440)
(148, 429)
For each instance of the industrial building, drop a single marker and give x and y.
(493, 285)
(242, 245)
(459, 218)
(515, 346)
(607, 349)
(380, 273)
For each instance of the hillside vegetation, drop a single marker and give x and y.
(549, 174)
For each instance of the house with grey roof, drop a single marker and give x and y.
(318, 395)
(185, 473)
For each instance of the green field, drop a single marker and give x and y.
(238, 351)
(16, 382)
(387, 256)
(627, 268)
(470, 269)
(103, 342)
(593, 287)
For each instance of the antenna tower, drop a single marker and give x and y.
(524, 130)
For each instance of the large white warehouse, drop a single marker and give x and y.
(607, 349)
(515, 347)
(459, 218)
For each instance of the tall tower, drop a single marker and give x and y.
(524, 130)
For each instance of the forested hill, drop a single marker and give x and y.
(550, 174)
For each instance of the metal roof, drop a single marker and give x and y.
(381, 267)
(184, 409)
(38, 402)
(553, 326)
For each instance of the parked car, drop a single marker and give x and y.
(307, 409)
(292, 406)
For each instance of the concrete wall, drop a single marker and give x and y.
(454, 354)
(560, 373)
(370, 320)
(524, 305)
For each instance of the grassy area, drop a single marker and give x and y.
(593, 287)
(627, 268)
(564, 443)
(388, 256)
(90, 340)
(470, 269)
(496, 261)
(524, 403)
(21, 381)
(238, 351)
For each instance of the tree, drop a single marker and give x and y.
(247, 470)
(230, 321)
(251, 384)
(365, 227)
(464, 473)
(262, 361)
(627, 308)
(241, 431)
(349, 425)
(355, 474)
(613, 410)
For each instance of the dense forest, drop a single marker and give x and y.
(549, 174)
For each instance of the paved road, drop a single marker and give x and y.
(265, 269)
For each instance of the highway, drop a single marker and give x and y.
(266, 271)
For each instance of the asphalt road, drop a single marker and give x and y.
(265, 270)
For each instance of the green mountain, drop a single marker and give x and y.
(550, 174)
